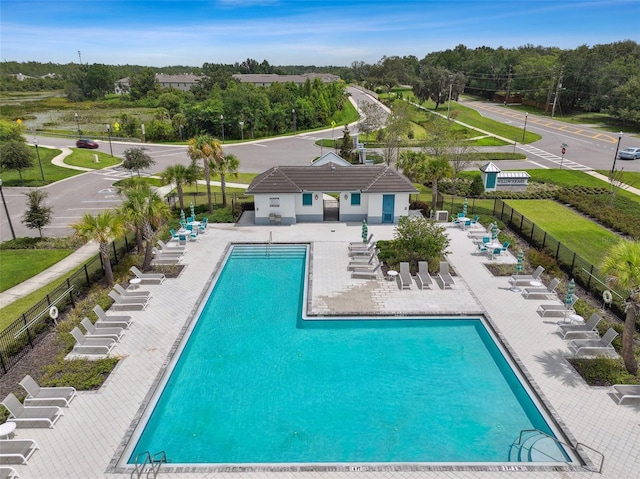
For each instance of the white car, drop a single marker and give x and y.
(629, 154)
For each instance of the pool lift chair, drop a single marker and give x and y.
(46, 396)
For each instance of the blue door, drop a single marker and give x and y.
(388, 205)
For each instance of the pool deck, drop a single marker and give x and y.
(85, 441)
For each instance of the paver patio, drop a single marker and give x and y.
(84, 442)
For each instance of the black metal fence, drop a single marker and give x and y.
(31, 327)
(199, 198)
(582, 271)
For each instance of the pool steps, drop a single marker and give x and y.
(269, 250)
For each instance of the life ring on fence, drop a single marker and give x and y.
(53, 312)
(607, 296)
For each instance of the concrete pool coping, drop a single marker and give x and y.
(73, 449)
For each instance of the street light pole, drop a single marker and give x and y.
(293, 112)
(77, 124)
(449, 105)
(524, 130)
(222, 125)
(615, 157)
(35, 142)
(13, 234)
(241, 123)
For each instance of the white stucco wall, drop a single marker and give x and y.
(286, 208)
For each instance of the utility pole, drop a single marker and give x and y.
(506, 100)
(555, 98)
(79, 57)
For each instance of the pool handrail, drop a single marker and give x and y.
(564, 444)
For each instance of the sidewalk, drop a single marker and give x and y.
(62, 267)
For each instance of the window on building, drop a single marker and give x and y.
(355, 199)
(307, 199)
(274, 202)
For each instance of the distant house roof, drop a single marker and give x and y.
(330, 177)
(331, 157)
(266, 79)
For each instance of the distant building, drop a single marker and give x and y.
(179, 82)
(266, 79)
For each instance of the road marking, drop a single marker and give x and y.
(558, 160)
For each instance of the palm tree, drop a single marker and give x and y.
(146, 210)
(207, 149)
(227, 165)
(180, 175)
(622, 267)
(434, 170)
(103, 228)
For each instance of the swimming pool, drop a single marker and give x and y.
(257, 383)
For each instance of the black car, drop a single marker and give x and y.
(82, 143)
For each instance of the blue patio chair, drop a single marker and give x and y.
(205, 221)
(190, 219)
(189, 227)
(482, 248)
(174, 236)
(182, 240)
(461, 215)
(505, 245)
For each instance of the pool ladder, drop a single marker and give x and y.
(533, 435)
(152, 464)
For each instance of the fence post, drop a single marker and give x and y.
(573, 262)
(73, 303)
(86, 274)
(29, 340)
(557, 251)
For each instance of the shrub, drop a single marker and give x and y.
(82, 374)
(603, 371)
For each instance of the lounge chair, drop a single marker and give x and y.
(594, 347)
(169, 248)
(525, 279)
(404, 278)
(87, 345)
(481, 232)
(110, 320)
(131, 293)
(165, 260)
(93, 332)
(30, 416)
(362, 261)
(367, 273)
(148, 278)
(557, 309)
(445, 276)
(16, 451)
(363, 250)
(166, 254)
(46, 396)
(575, 331)
(549, 290)
(423, 278)
(625, 391)
(360, 243)
(127, 304)
(7, 472)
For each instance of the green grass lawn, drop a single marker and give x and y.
(32, 176)
(588, 239)
(84, 158)
(19, 265)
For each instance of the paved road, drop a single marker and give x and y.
(93, 191)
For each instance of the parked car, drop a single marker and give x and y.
(83, 143)
(629, 154)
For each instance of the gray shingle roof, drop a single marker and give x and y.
(331, 178)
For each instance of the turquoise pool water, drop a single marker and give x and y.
(255, 383)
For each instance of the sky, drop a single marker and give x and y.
(297, 32)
